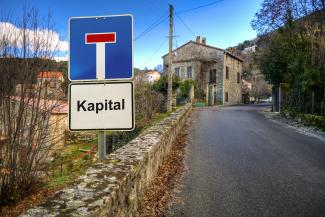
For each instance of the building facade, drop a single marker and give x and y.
(51, 83)
(152, 76)
(217, 72)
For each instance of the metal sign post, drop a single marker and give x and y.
(100, 39)
(101, 145)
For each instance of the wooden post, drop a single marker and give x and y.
(170, 73)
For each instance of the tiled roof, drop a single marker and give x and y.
(49, 75)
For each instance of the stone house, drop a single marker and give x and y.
(55, 112)
(216, 71)
(51, 83)
(54, 79)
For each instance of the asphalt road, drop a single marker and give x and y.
(240, 164)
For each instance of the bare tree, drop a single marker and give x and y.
(314, 31)
(259, 87)
(27, 131)
(275, 13)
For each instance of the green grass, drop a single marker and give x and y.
(199, 104)
(58, 181)
(73, 161)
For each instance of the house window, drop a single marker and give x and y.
(226, 96)
(213, 77)
(189, 72)
(227, 72)
(238, 77)
(177, 71)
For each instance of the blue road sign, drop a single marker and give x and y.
(101, 48)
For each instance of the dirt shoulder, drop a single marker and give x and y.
(295, 124)
(156, 199)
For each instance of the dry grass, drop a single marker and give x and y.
(156, 199)
(26, 203)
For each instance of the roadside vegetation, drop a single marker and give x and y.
(307, 119)
(291, 55)
(26, 138)
(291, 52)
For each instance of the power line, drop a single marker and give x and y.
(165, 16)
(175, 36)
(156, 51)
(198, 7)
(153, 5)
(185, 25)
(152, 26)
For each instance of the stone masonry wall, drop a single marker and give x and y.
(115, 186)
(230, 85)
(193, 51)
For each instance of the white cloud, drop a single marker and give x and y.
(59, 59)
(41, 40)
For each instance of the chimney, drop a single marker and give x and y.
(204, 40)
(198, 39)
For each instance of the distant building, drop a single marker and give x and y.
(54, 111)
(50, 84)
(216, 71)
(251, 49)
(152, 76)
(51, 79)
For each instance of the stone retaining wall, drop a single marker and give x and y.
(115, 186)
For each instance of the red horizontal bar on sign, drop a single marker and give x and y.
(100, 38)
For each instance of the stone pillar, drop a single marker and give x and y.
(191, 95)
(207, 95)
(213, 90)
(275, 99)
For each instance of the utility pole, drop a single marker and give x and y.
(170, 59)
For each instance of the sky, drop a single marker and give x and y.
(224, 24)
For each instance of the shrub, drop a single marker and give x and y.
(185, 87)
(147, 102)
(162, 84)
(307, 119)
(314, 120)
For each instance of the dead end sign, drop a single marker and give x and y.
(101, 106)
(101, 48)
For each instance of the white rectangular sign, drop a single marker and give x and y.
(101, 106)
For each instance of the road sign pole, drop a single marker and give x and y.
(101, 145)
(100, 74)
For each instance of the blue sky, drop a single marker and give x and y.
(224, 24)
